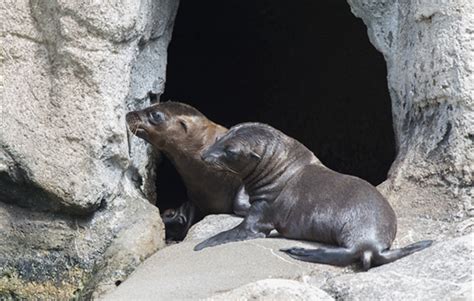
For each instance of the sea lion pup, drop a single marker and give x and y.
(292, 192)
(178, 220)
(181, 133)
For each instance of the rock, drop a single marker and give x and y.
(211, 225)
(179, 273)
(442, 272)
(73, 213)
(214, 224)
(256, 269)
(58, 256)
(71, 72)
(428, 49)
(274, 289)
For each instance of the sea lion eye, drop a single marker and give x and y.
(231, 152)
(156, 117)
(169, 213)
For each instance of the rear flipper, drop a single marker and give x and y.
(388, 256)
(253, 226)
(328, 255)
(342, 256)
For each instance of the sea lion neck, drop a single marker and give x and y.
(279, 163)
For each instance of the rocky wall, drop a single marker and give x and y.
(429, 49)
(74, 217)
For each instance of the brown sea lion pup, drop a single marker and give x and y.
(181, 133)
(292, 192)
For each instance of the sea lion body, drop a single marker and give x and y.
(331, 217)
(292, 192)
(181, 133)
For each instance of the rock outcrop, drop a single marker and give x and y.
(429, 50)
(212, 224)
(74, 217)
(256, 270)
(274, 290)
(441, 272)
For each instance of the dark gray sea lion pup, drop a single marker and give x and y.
(178, 220)
(181, 132)
(292, 192)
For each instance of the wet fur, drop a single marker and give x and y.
(292, 192)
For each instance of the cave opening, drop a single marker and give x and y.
(307, 69)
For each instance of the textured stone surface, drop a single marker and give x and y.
(59, 256)
(71, 71)
(274, 289)
(73, 213)
(211, 225)
(428, 46)
(241, 271)
(441, 272)
(179, 273)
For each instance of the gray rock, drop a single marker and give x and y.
(441, 272)
(429, 54)
(211, 225)
(179, 273)
(71, 72)
(73, 217)
(242, 270)
(274, 289)
(57, 256)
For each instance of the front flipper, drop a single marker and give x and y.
(241, 204)
(255, 225)
(238, 233)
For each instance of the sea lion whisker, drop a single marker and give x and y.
(256, 155)
(227, 168)
(231, 170)
(137, 128)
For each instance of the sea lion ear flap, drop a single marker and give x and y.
(183, 125)
(255, 155)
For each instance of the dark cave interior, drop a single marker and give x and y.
(306, 68)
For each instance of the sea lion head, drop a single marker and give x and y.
(176, 224)
(239, 150)
(167, 124)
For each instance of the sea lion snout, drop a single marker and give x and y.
(137, 125)
(133, 120)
